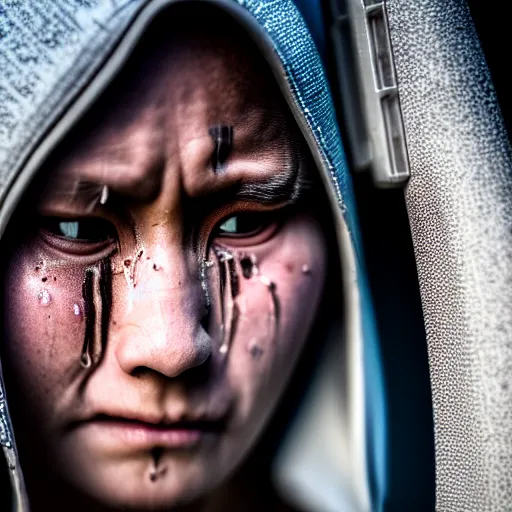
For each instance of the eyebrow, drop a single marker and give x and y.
(88, 193)
(285, 187)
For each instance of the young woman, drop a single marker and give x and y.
(175, 241)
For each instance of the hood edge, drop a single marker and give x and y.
(110, 66)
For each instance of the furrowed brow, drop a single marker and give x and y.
(281, 188)
(74, 193)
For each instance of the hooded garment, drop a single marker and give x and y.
(56, 57)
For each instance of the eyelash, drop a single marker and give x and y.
(55, 232)
(69, 229)
(244, 227)
(260, 219)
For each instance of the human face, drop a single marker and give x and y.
(185, 175)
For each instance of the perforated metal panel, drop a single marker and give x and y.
(459, 200)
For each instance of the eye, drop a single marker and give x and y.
(89, 230)
(245, 225)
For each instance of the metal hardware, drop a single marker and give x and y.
(369, 91)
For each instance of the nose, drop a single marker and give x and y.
(162, 328)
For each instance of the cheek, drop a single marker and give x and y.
(43, 312)
(274, 324)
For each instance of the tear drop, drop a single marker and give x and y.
(248, 264)
(255, 350)
(104, 195)
(44, 297)
(85, 360)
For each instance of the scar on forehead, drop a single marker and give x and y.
(222, 136)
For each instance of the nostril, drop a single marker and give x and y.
(138, 372)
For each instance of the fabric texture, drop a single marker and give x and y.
(459, 200)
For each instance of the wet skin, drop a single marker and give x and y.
(161, 415)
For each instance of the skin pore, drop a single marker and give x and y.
(173, 245)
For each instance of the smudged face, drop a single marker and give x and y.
(156, 306)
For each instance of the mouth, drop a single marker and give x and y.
(135, 433)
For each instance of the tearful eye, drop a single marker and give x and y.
(92, 230)
(69, 229)
(244, 224)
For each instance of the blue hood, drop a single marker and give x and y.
(57, 56)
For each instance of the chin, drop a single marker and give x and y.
(130, 485)
(137, 497)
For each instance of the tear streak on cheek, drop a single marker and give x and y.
(97, 301)
(232, 266)
(229, 288)
(129, 267)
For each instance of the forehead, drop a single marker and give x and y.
(184, 71)
(184, 77)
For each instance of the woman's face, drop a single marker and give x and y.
(166, 282)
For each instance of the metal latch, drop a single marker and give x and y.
(369, 92)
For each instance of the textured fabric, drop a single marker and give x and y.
(5, 429)
(460, 206)
(50, 54)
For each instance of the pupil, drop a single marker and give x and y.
(242, 224)
(230, 226)
(69, 229)
(91, 230)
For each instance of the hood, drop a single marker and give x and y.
(58, 56)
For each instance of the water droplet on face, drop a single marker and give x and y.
(104, 195)
(247, 265)
(256, 351)
(85, 360)
(76, 309)
(44, 297)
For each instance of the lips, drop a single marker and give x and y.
(136, 433)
